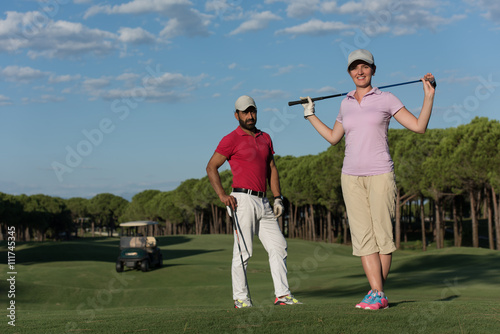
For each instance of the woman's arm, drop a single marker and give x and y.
(408, 120)
(333, 136)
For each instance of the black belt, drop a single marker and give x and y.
(260, 194)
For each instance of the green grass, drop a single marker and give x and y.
(72, 287)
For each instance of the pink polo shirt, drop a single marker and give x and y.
(249, 158)
(366, 125)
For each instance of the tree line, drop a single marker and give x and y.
(448, 181)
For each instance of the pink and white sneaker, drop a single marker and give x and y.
(367, 300)
(378, 301)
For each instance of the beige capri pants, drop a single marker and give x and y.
(370, 203)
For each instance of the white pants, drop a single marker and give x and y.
(256, 217)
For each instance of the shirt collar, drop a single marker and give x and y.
(374, 90)
(240, 131)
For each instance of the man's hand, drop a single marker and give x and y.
(229, 200)
(308, 108)
(279, 208)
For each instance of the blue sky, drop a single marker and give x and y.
(123, 96)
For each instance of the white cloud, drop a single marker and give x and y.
(183, 19)
(138, 7)
(302, 8)
(411, 21)
(95, 86)
(46, 98)
(315, 27)
(5, 101)
(44, 37)
(172, 81)
(190, 25)
(21, 74)
(226, 9)
(127, 77)
(257, 21)
(135, 36)
(266, 94)
(63, 78)
(491, 9)
(50, 98)
(164, 87)
(374, 17)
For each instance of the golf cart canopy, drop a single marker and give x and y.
(138, 223)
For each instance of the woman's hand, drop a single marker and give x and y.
(308, 108)
(429, 88)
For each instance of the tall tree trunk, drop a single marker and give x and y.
(321, 225)
(198, 222)
(292, 224)
(82, 231)
(475, 223)
(215, 217)
(406, 221)
(490, 219)
(456, 236)
(496, 210)
(422, 224)
(329, 233)
(311, 222)
(346, 228)
(437, 224)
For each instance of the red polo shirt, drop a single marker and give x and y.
(249, 158)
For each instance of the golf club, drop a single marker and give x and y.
(292, 103)
(236, 227)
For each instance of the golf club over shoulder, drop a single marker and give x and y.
(302, 101)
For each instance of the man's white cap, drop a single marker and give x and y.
(243, 102)
(360, 54)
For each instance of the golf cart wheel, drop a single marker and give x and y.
(145, 265)
(119, 266)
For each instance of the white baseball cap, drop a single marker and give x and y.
(243, 102)
(360, 54)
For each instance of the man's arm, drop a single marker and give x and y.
(213, 165)
(274, 179)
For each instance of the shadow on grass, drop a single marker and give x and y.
(446, 270)
(96, 249)
(448, 273)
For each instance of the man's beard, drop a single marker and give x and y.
(244, 125)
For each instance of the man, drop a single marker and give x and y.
(249, 152)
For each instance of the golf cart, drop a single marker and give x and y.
(138, 246)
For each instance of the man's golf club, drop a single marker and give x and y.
(236, 227)
(292, 103)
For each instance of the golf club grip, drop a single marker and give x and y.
(292, 103)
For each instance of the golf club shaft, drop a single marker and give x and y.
(237, 230)
(292, 103)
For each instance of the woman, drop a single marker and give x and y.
(368, 183)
